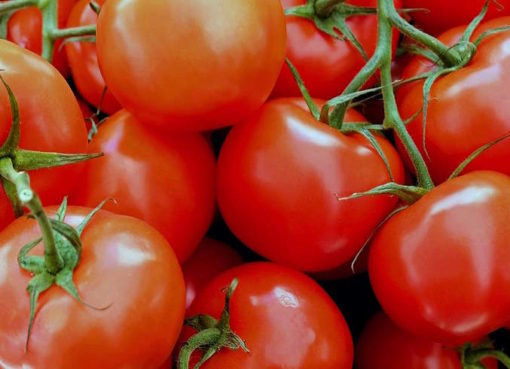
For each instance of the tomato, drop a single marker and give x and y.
(164, 179)
(25, 29)
(327, 65)
(279, 176)
(286, 319)
(125, 265)
(83, 61)
(211, 258)
(383, 345)
(440, 267)
(189, 64)
(438, 16)
(51, 121)
(467, 108)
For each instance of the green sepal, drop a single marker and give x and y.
(32, 264)
(370, 138)
(87, 219)
(201, 322)
(12, 141)
(37, 285)
(334, 24)
(95, 6)
(25, 160)
(304, 91)
(408, 194)
(476, 154)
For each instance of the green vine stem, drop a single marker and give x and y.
(478, 355)
(53, 261)
(324, 7)
(9, 6)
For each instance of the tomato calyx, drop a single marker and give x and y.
(330, 17)
(471, 356)
(212, 336)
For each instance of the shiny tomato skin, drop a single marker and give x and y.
(210, 259)
(126, 266)
(440, 267)
(209, 67)
(279, 176)
(326, 65)
(83, 61)
(287, 320)
(51, 121)
(440, 16)
(25, 29)
(383, 345)
(467, 108)
(165, 179)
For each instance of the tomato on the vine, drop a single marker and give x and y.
(326, 64)
(165, 179)
(127, 269)
(280, 176)
(190, 64)
(25, 29)
(440, 267)
(436, 16)
(383, 345)
(82, 57)
(286, 319)
(51, 121)
(210, 259)
(467, 108)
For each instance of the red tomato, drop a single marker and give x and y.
(164, 179)
(279, 175)
(83, 61)
(327, 65)
(440, 15)
(383, 345)
(211, 258)
(440, 267)
(190, 64)
(51, 121)
(286, 319)
(467, 109)
(125, 264)
(25, 29)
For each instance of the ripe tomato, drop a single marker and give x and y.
(125, 265)
(286, 319)
(383, 345)
(467, 108)
(51, 121)
(327, 65)
(211, 258)
(279, 175)
(439, 15)
(25, 29)
(190, 64)
(83, 61)
(440, 267)
(164, 179)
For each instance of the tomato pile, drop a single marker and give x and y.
(254, 184)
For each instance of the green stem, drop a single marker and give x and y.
(447, 55)
(73, 32)
(478, 355)
(392, 116)
(323, 8)
(16, 5)
(53, 261)
(203, 338)
(49, 10)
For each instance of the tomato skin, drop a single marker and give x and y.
(51, 121)
(214, 77)
(279, 175)
(164, 179)
(383, 345)
(122, 259)
(25, 29)
(326, 65)
(83, 61)
(440, 267)
(467, 109)
(287, 320)
(210, 259)
(443, 15)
